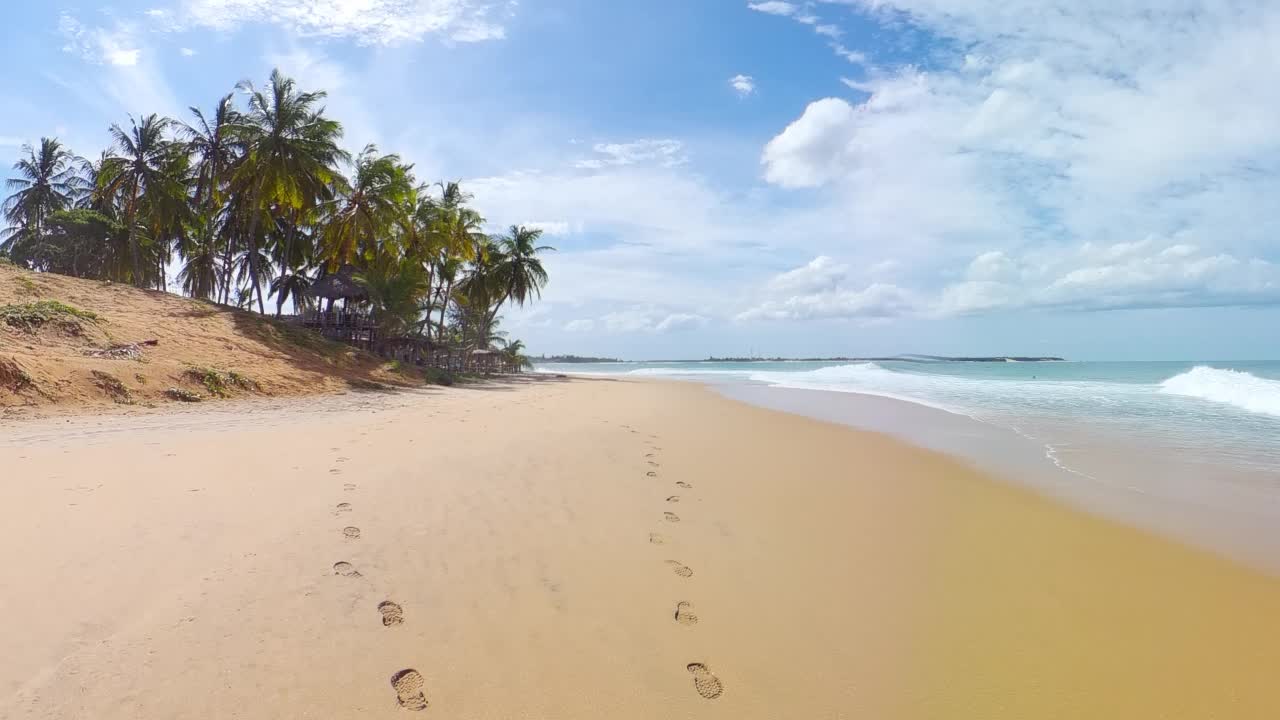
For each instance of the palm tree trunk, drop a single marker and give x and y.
(284, 259)
(253, 250)
(444, 307)
(133, 237)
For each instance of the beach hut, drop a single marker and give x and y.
(484, 361)
(344, 325)
(339, 286)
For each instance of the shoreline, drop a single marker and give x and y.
(1237, 525)
(833, 572)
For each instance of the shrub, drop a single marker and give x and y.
(219, 383)
(33, 316)
(112, 386)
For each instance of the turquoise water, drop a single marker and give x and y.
(1189, 449)
(1225, 413)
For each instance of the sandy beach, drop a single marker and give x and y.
(584, 549)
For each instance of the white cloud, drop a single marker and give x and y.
(584, 325)
(187, 52)
(556, 227)
(852, 56)
(744, 85)
(677, 322)
(667, 153)
(822, 273)
(774, 7)
(99, 45)
(369, 22)
(814, 149)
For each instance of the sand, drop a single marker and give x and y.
(50, 371)
(584, 549)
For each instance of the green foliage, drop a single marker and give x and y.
(220, 383)
(438, 376)
(256, 199)
(33, 316)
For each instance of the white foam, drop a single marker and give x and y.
(1229, 387)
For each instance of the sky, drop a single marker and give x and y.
(1095, 179)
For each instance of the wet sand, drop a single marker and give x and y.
(585, 549)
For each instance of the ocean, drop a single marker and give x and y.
(1190, 449)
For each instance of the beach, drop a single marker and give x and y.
(583, 548)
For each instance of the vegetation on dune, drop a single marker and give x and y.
(220, 383)
(256, 200)
(111, 385)
(181, 395)
(36, 315)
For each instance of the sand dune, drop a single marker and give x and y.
(513, 551)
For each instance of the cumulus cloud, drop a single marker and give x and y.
(744, 85)
(369, 22)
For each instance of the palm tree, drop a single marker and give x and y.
(374, 207)
(143, 177)
(216, 148)
(46, 183)
(290, 154)
(396, 287)
(513, 355)
(518, 273)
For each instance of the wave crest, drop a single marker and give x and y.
(1229, 387)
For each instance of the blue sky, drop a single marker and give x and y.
(1089, 178)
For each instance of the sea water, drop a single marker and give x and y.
(1187, 448)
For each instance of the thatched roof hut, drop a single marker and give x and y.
(339, 286)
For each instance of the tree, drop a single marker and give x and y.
(518, 274)
(372, 212)
(513, 355)
(216, 148)
(46, 183)
(291, 152)
(146, 178)
(396, 287)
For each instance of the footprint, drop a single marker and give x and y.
(651, 474)
(392, 614)
(648, 455)
(348, 486)
(679, 569)
(684, 485)
(685, 615)
(335, 471)
(656, 539)
(707, 685)
(341, 508)
(654, 464)
(670, 517)
(409, 685)
(352, 533)
(345, 569)
(674, 498)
